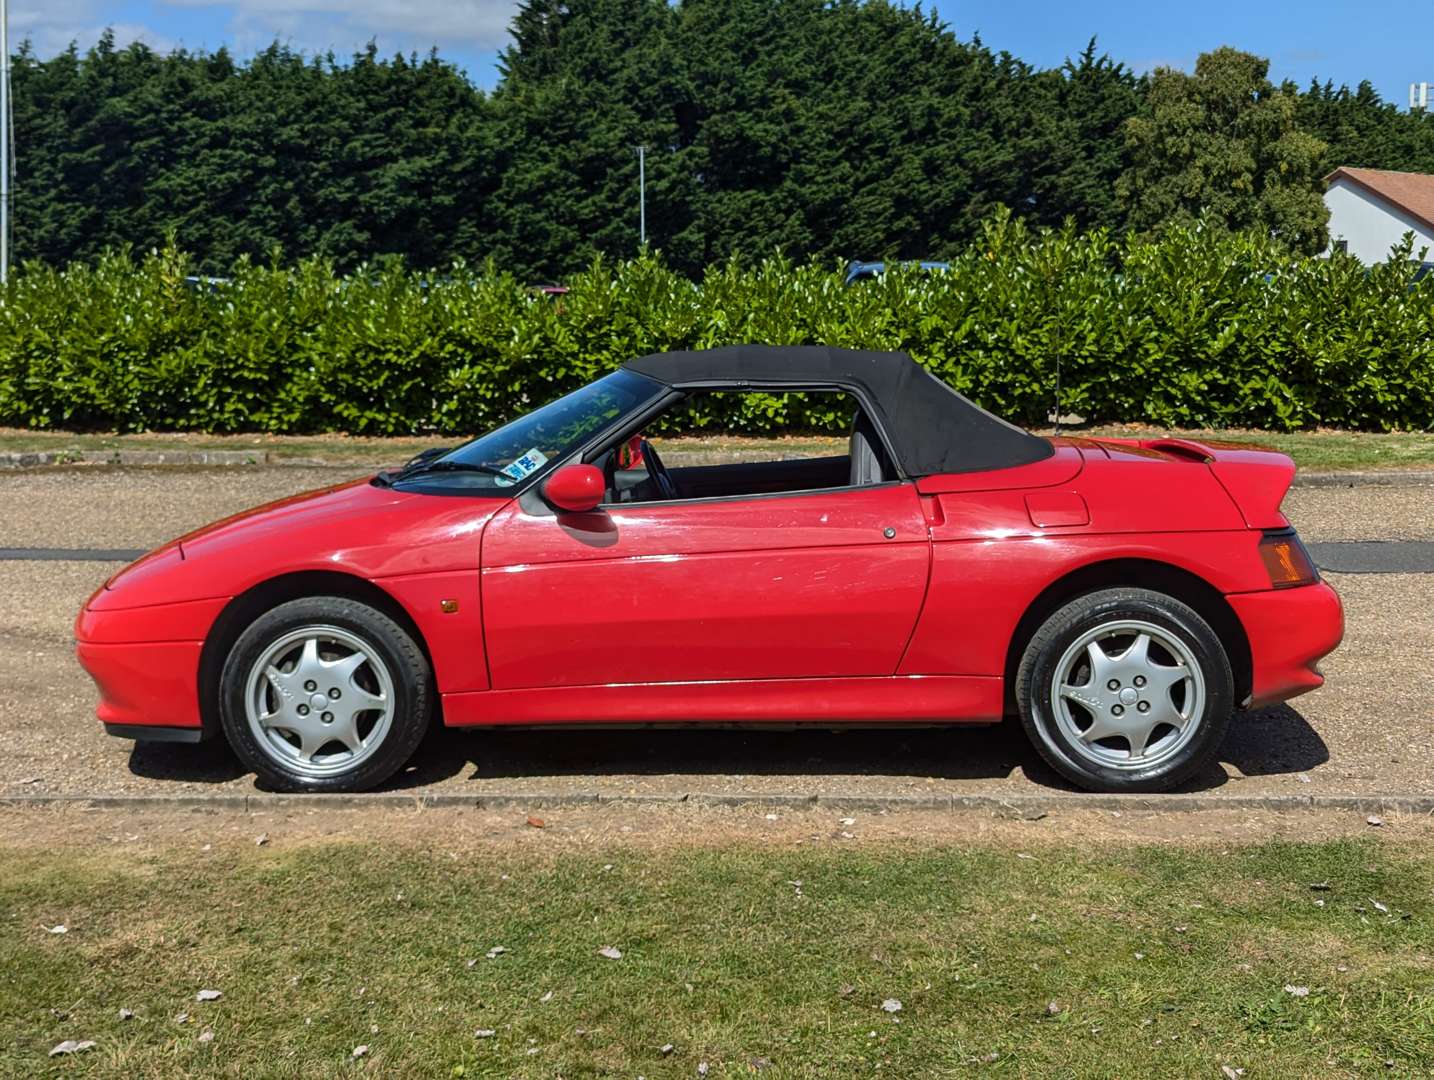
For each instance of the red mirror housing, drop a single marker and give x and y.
(578, 488)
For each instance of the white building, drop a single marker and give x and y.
(1370, 210)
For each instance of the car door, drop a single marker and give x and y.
(811, 584)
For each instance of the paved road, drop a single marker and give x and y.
(48, 554)
(1375, 556)
(1366, 732)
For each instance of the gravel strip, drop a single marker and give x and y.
(139, 508)
(1404, 512)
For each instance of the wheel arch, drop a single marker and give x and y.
(1150, 574)
(254, 601)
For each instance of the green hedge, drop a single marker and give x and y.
(1195, 329)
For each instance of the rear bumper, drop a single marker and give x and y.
(1290, 631)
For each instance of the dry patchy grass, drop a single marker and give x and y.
(1167, 960)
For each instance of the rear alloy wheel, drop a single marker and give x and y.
(325, 694)
(1125, 690)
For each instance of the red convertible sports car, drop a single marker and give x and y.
(1122, 597)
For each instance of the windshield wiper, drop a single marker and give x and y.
(424, 467)
(386, 479)
(459, 466)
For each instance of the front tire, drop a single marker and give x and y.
(325, 694)
(1125, 690)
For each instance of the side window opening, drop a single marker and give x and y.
(679, 455)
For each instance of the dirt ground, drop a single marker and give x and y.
(1366, 732)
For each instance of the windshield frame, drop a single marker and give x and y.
(649, 390)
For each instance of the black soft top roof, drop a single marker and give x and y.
(931, 428)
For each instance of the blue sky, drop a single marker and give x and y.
(1390, 45)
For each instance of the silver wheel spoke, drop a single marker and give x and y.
(1165, 679)
(1163, 711)
(345, 730)
(1138, 735)
(1137, 657)
(310, 743)
(1099, 662)
(309, 661)
(363, 700)
(1100, 728)
(342, 671)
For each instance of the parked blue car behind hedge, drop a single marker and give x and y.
(863, 271)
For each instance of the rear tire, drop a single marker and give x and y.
(1125, 690)
(325, 694)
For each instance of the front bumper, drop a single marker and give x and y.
(145, 663)
(1290, 631)
(151, 733)
(150, 684)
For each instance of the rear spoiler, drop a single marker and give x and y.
(1257, 480)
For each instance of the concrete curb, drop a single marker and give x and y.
(1018, 806)
(1391, 478)
(38, 458)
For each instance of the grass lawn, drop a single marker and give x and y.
(1316, 451)
(1084, 960)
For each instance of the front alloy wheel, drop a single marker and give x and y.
(325, 694)
(319, 701)
(1126, 690)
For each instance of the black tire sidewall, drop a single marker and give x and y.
(1084, 614)
(412, 682)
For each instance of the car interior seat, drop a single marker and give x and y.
(868, 456)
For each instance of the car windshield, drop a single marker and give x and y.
(529, 445)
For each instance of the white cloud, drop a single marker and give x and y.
(346, 25)
(314, 26)
(51, 25)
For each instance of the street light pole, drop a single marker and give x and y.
(641, 192)
(4, 141)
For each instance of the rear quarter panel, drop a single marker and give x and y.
(991, 560)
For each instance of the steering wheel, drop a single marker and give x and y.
(666, 489)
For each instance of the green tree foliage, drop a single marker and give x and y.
(1088, 102)
(1198, 327)
(824, 129)
(853, 129)
(1362, 130)
(845, 129)
(1223, 146)
(369, 158)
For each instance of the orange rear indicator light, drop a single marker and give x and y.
(1286, 560)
